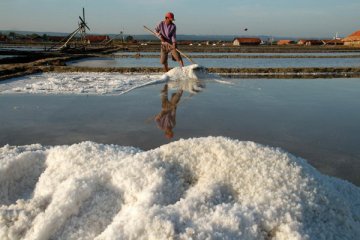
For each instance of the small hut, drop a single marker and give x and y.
(246, 41)
(353, 39)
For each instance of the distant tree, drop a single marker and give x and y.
(12, 35)
(45, 37)
(33, 35)
(129, 39)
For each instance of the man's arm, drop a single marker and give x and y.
(158, 32)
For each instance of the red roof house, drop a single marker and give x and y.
(352, 39)
(246, 41)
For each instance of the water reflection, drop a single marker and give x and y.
(166, 118)
(22, 48)
(7, 56)
(311, 54)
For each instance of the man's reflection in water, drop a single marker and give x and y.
(166, 119)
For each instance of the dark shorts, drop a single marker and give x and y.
(165, 50)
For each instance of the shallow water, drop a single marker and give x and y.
(7, 56)
(22, 48)
(312, 54)
(222, 62)
(314, 119)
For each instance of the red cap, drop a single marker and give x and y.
(170, 16)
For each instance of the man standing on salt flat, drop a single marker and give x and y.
(166, 30)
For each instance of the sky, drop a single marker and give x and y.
(306, 18)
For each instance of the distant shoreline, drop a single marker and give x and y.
(182, 37)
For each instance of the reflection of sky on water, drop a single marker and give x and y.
(6, 56)
(315, 119)
(223, 62)
(22, 48)
(251, 54)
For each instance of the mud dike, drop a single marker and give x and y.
(57, 64)
(30, 63)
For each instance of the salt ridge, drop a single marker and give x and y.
(93, 83)
(201, 188)
(78, 83)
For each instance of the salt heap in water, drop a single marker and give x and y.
(204, 188)
(193, 71)
(190, 78)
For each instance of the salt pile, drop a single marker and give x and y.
(191, 78)
(78, 83)
(193, 71)
(202, 188)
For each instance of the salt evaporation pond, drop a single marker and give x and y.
(316, 119)
(221, 62)
(194, 187)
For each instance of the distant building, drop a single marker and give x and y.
(89, 38)
(332, 42)
(97, 38)
(246, 41)
(3, 38)
(309, 42)
(285, 42)
(353, 39)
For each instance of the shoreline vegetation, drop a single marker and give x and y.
(29, 62)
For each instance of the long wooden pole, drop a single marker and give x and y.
(175, 48)
(72, 35)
